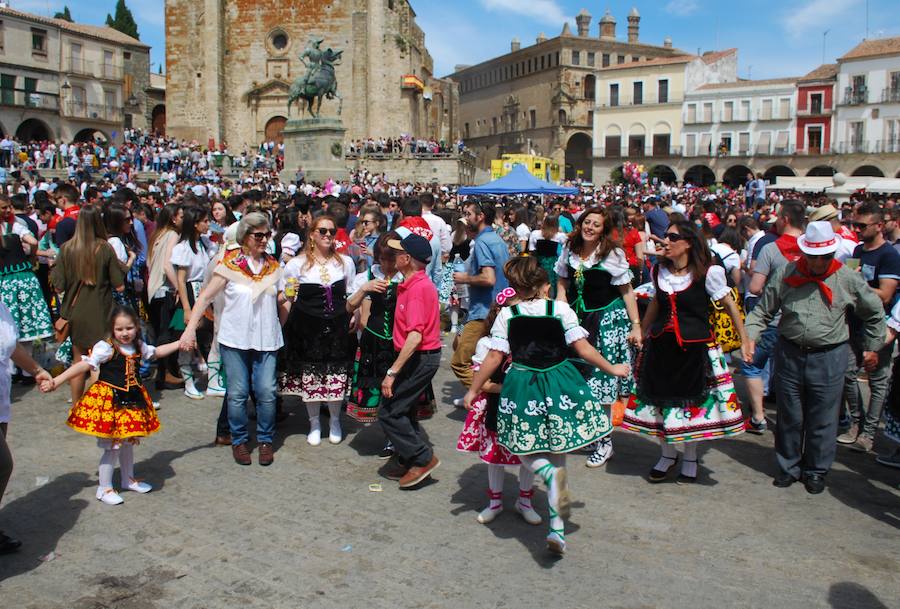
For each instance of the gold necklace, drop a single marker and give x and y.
(324, 275)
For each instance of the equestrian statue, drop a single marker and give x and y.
(319, 81)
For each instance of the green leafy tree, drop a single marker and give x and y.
(65, 15)
(123, 21)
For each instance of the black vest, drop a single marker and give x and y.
(537, 342)
(546, 248)
(321, 301)
(597, 292)
(686, 312)
(381, 310)
(12, 256)
(121, 373)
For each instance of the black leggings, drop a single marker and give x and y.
(6, 460)
(161, 311)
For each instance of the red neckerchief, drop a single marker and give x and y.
(342, 241)
(417, 225)
(787, 245)
(805, 277)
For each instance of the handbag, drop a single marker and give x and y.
(722, 325)
(61, 327)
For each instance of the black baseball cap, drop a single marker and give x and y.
(414, 245)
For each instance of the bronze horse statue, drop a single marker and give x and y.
(318, 83)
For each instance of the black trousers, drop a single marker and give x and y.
(397, 414)
(6, 461)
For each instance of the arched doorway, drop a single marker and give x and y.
(33, 129)
(275, 129)
(778, 171)
(158, 118)
(821, 171)
(736, 176)
(700, 175)
(578, 157)
(868, 171)
(663, 173)
(91, 135)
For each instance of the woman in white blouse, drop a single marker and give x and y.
(318, 357)
(684, 390)
(190, 257)
(249, 333)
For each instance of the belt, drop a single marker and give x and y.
(423, 351)
(807, 349)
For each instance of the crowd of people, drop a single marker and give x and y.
(404, 144)
(621, 306)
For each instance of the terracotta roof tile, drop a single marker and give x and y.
(826, 71)
(657, 61)
(95, 31)
(717, 55)
(747, 83)
(875, 47)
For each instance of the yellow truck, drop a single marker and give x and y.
(538, 166)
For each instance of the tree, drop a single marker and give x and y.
(160, 68)
(64, 15)
(123, 21)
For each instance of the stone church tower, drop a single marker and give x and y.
(230, 64)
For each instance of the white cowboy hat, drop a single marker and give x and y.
(819, 239)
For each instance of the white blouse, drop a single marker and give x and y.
(536, 308)
(102, 352)
(195, 262)
(893, 320)
(249, 325)
(615, 264)
(339, 267)
(119, 249)
(559, 237)
(9, 336)
(716, 284)
(360, 279)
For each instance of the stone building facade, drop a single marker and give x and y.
(230, 64)
(541, 98)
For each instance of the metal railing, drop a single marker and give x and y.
(700, 119)
(109, 71)
(94, 112)
(890, 95)
(856, 96)
(28, 99)
(810, 111)
(772, 116)
(646, 100)
(853, 147)
(79, 65)
(673, 151)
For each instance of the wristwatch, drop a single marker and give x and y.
(391, 373)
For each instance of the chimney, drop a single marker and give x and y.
(566, 31)
(607, 27)
(583, 20)
(515, 45)
(667, 43)
(541, 38)
(634, 24)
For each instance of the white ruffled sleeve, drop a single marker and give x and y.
(574, 331)
(499, 338)
(893, 320)
(482, 348)
(561, 268)
(716, 284)
(291, 244)
(148, 352)
(101, 353)
(349, 269)
(616, 265)
(359, 280)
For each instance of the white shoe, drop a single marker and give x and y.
(334, 433)
(192, 392)
(109, 496)
(556, 543)
(215, 392)
(156, 406)
(528, 513)
(601, 454)
(459, 402)
(488, 514)
(137, 486)
(314, 438)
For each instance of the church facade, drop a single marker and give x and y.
(230, 64)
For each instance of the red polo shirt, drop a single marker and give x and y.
(417, 311)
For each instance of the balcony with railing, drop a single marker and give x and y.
(701, 118)
(29, 99)
(645, 100)
(774, 115)
(79, 66)
(859, 146)
(109, 71)
(855, 96)
(92, 112)
(813, 111)
(891, 95)
(734, 117)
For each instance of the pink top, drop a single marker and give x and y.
(417, 311)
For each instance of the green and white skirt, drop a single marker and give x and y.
(22, 295)
(608, 330)
(549, 411)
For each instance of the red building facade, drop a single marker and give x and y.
(815, 110)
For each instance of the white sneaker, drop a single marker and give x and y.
(137, 486)
(528, 513)
(109, 496)
(459, 402)
(215, 392)
(334, 432)
(156, 406)
(488, 514)
(192, 392)
(314, 437)
(601, 454)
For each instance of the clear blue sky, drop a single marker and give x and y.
(774, 37)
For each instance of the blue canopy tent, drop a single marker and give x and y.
(518, 182)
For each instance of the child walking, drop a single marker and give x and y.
(117, 408)
(546, 407)
(479, 432)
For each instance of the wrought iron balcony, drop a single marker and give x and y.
(29, 99)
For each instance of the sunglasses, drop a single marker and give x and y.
(820, 256)
(262, 236)
(327, 231)
(674, 237)
(862, 225)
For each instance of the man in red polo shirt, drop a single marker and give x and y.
(417, 340)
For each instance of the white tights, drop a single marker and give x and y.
(113, 451)
(670, 453)
(495, 485)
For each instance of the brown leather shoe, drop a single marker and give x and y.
(417, 473)
(223, 440)
(171, 379)
(266, 454)
(241, 454)
(393, 470)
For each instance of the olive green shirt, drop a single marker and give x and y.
(808, 321)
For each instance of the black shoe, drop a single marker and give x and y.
(814, 483)
(783, 480)
(8, 545)
(658, 475)
(387, 452)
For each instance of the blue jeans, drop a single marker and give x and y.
(765, 347)
(240, 366)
